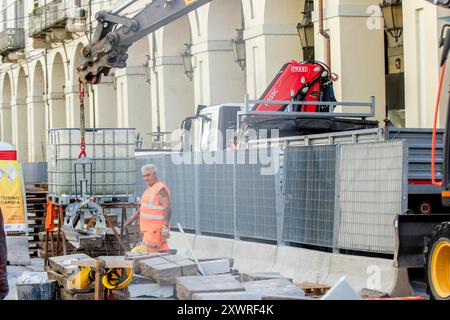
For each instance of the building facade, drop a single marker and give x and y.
(40, 41)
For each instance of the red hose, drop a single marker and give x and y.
(433, 141)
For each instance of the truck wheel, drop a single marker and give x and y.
(437, 259)
(425, 207)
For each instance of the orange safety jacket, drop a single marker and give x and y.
(151, 219)
(50, 216)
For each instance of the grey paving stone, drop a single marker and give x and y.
(63, 265)
(187, 286)
(188, 267)
(174, 258)
(151, 290)
(274, 287)
(226, 296)
(257, 276)
(18, 253)
(165, 273)
(215, 266)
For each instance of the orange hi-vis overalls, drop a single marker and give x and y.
(152, 219)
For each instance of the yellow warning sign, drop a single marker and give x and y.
(11, 197)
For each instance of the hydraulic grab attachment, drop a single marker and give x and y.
(115, 33)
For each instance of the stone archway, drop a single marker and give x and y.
(218, 79)
(133, 92)
(57, 106)
(71, 93)
(36, 116)
(19, 117)
(5, 111)
(271, 39)
(172, 91)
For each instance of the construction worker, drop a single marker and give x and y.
(4, 289)
(154, 213)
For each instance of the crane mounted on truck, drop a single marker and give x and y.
(310, 82)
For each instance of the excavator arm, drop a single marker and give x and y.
(114, 34)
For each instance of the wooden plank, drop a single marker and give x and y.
(65, 264)
(99, 273)
(113, 228)
(313, 289)
(35, 219)
(144, 256)
(110, 262)
(66, 295)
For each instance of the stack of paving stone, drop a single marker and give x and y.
(157, 273)
(213, 279)
(257, 286)
(172, 276)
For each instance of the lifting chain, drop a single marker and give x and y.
(81, 92)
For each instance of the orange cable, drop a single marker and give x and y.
(433, 142)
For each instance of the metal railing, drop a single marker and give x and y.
(55, 14)
(11, 39)
(333, 110)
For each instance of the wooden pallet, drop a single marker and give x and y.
(36, 198)
(313, 289)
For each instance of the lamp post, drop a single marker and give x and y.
(393, 17)
(305, 30)
(187, 61)
(239, 48)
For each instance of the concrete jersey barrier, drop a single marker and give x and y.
(302, 265)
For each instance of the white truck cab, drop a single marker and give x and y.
(212, 128)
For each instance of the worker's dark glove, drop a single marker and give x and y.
(166, 231)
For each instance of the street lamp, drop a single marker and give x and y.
(305, 30)
(239, 48)
(187, 61)
(393, 17)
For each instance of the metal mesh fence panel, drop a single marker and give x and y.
(216, 194)
(186, 207)
(255, 199)
(35, 172)
(372, 185)
(182, 199)
(310, 195)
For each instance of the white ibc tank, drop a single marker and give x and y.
(113, 153)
